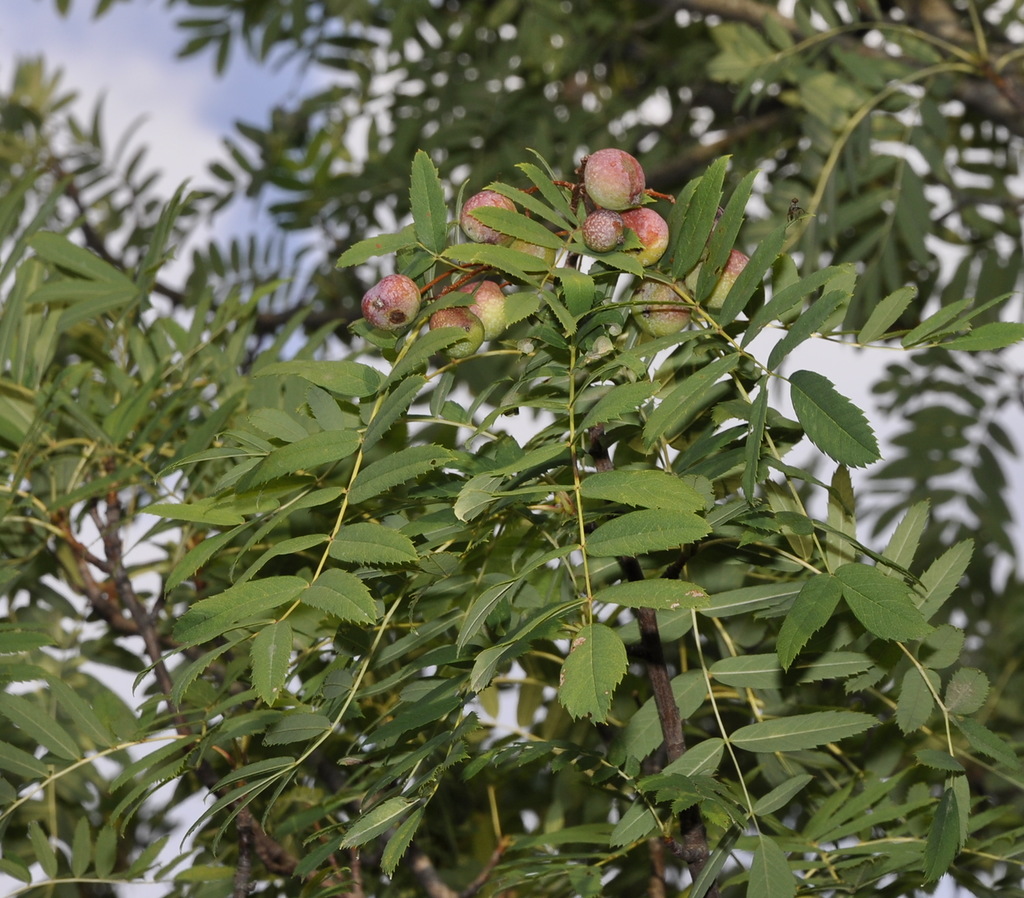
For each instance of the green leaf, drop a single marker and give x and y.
(202, 511)
(755, 437)
(659, 593)
(770, 876)
(811, 321)
(688, 398)
(21, 763)
(302, 457)
(371, 543)
(397, 402)
(781, 795)
(789, 296)
(618, 401)
(701, 759)
(944, 837)
(650, 530)
(886, 312)
(247, 603)
(342, 377)
(342, 594)
(482, 606)
(833, 423)
(637, 823)
(106, 851)
(35, 723)
(296, 726)
(578, 290)
(801, 731)
(372, 247)
(400, 839)
(906, 538)
(398, 467)
(60, 251)
(986, 742)
(504, 258)
(378, 821)
(693, 217)
(943, 576)
(937, 323)
(81, 847)
(883, 605)
(966, 691)
(426, 196)
(811, 610)
(938, 760)
(916, 701)
(994, 335)
(595, 665)
(43, 850)
(646, 488)
(270, 655)
(515, 224)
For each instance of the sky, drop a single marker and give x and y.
(128, 57)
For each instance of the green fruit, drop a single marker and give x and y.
(659, 311)
(459, 316)
(489, 306)
(736, 262)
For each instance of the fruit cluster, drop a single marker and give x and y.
(611, 191)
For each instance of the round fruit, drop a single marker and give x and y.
(475, 229)
(489, 306)
(392, 303)
(459, 316)
(614, 179)
(736, 262)
(603, 230)
(545, 253)
(660, 311)
(652, 231)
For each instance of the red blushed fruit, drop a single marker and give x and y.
(736, 262)
(614, 179)
(660, 311)
(652, 231)
(489, 306)
(476, 230)
(602, 230)
(392, 303)
(459, 316)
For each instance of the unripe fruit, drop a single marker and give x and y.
(544, 253)
(475, 229)
(661, 312)
(652, 231)
(736, 262)
(603, 230)
(392, 303)
(614, 179)
(489, 306)
(459, 316)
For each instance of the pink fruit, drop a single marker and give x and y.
(660, 311)
(613, 179)
(602, 230)
(489, 306)
(736, 262)
(392, 303)
(459, 316)
(475, 229)
(652, 231)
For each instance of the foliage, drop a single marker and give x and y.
(570, 616)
